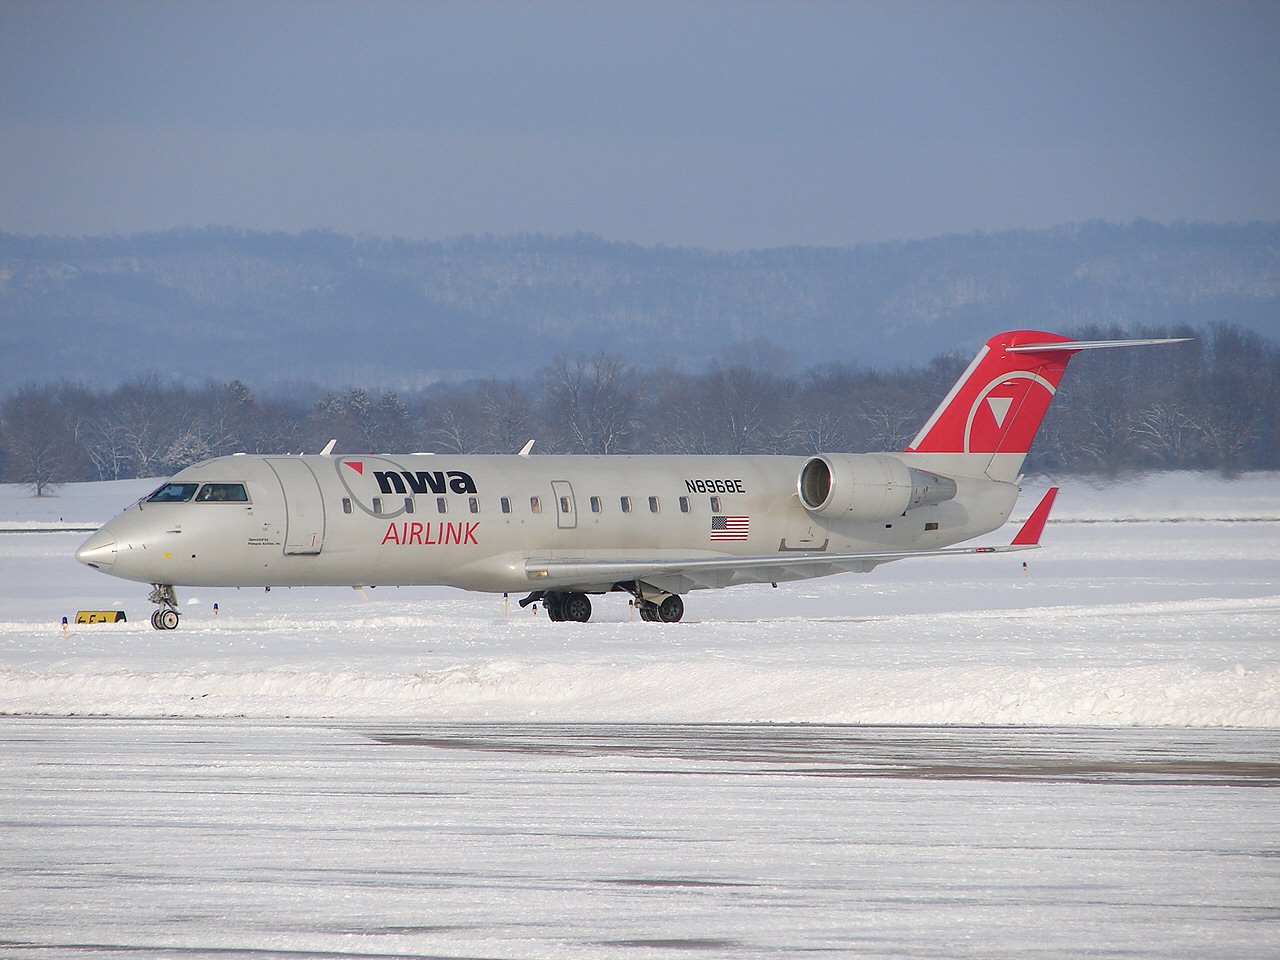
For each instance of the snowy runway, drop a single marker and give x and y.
(198, 838)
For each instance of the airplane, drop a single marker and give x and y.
(564, 528)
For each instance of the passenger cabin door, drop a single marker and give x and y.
(303, 506)
(566, 509)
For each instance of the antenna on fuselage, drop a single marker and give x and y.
(328, 447)
(524, 451)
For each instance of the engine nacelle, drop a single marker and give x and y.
(868, 486)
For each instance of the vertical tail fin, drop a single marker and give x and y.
(991, 415)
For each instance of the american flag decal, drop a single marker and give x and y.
(730, 528)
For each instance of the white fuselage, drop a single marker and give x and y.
(485, 522)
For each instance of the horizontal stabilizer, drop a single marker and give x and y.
(1074, 345)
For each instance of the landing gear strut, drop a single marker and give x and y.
(166, 616)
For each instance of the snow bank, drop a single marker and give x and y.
(1162, 497)
(78, 505)
(672, 691)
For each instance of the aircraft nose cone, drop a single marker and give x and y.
(99, 551)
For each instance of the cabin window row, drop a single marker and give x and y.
(385, 505)
(626, 504)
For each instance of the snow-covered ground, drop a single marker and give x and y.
(420, 775)
(1114, 622)
(283, 840)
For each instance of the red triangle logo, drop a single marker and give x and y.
(356, 465)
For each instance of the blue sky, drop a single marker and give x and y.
(710, 124)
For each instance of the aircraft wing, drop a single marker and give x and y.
(680, 575)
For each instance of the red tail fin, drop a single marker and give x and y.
(997, 405)
(988, 420)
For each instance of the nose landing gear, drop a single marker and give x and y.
(166, 616)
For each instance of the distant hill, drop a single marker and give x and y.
(337, 310)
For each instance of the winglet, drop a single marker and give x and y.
(1029, 535)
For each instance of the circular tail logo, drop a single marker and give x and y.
(1006, 413)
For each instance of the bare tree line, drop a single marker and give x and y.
(1211, 404)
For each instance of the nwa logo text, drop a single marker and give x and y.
(424, 481)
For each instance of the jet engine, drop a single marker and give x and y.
(868, 486)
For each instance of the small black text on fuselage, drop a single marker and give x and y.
(714, 486)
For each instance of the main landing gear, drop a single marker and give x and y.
(576, 607)
(669, 610)
(166, 616)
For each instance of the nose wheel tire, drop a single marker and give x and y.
(165, 619)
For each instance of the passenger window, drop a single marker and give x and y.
(684, 504)
(346, 504)
(595, 505)
(715, 504)
(408, 504)
(473, 503)
(535, 504)
(222, 493)
(442, 505)
(626, 504)
(174, 493)
(377, 504)
(506, 504)
(653, 504)
(565, 506)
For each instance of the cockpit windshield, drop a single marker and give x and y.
(173, 493)
(222, 493)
